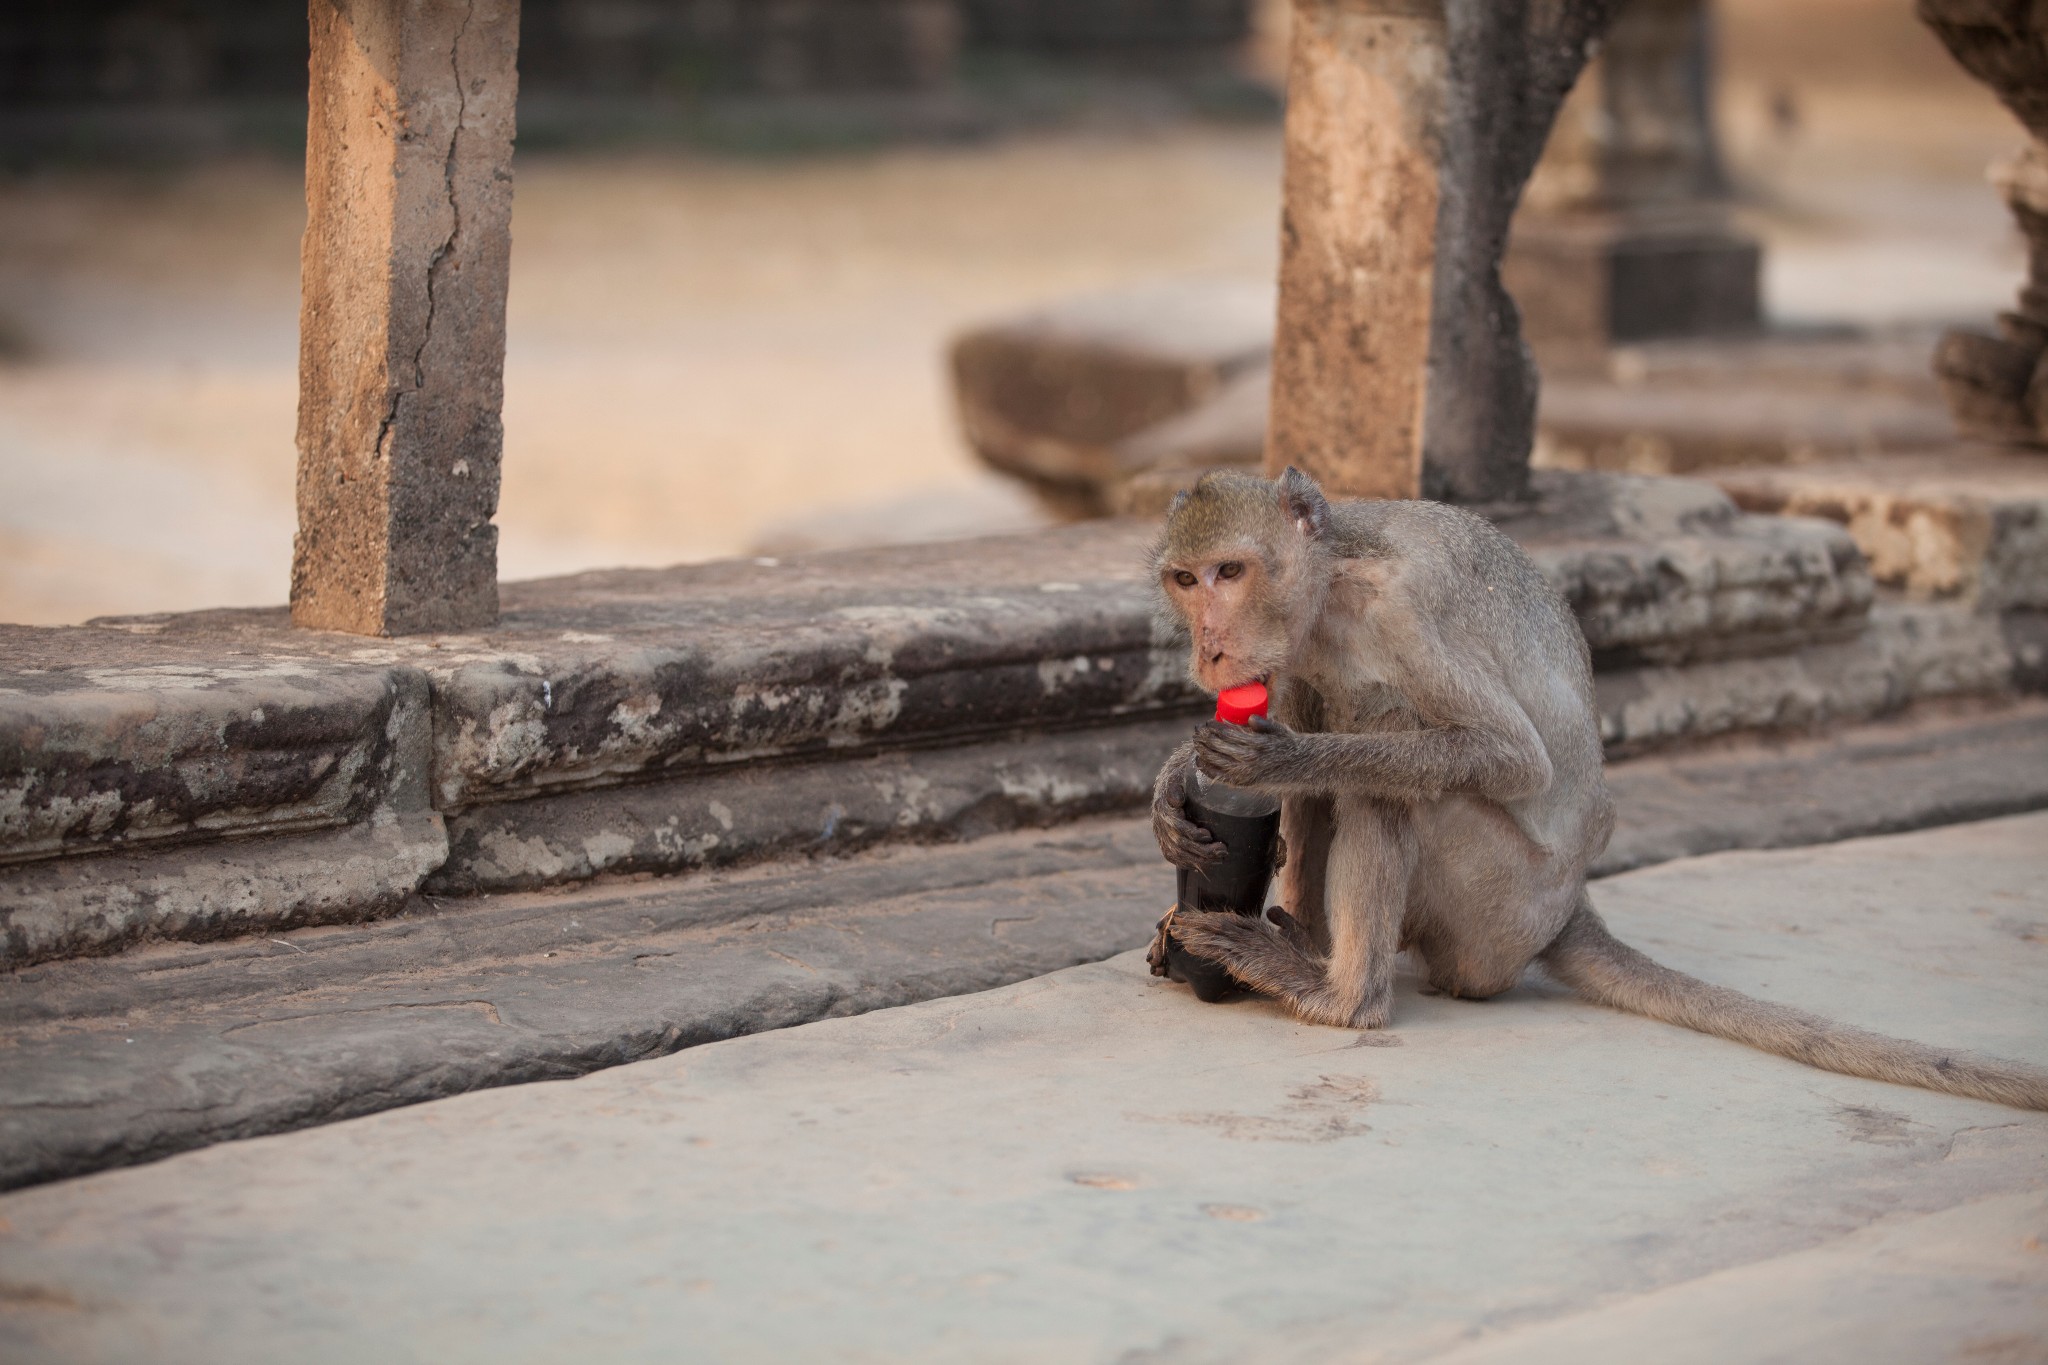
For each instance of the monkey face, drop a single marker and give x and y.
(1234, 561)
(1230, 605)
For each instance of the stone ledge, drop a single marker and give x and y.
(213, 724)
(1906, 653)
(1667, 570)
(1969, 524)
(71, 907)
(728, 817)
(108, 741)
(745, 815)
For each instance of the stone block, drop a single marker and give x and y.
(1668, 570)
(1964, 524)
(402, 321)
(1587, 284)
(1047, 397)
(1905, 653)
(112, 739)
(84, 906)
(748, 813)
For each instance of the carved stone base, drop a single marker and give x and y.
(1588, 283)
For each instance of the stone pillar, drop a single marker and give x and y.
(1412, 125)
(1357, 245)
(402, 319)
(1624, 235)
(1997, 383)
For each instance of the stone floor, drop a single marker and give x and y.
(1092, 1166)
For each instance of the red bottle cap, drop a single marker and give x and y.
(1239, 704)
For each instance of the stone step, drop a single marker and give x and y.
(1095, 1166)
(192, 775)
(127, 1058)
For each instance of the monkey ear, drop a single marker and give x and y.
(1304, 503)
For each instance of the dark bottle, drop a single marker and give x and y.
(1247, 824)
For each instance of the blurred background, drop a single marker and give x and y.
(744, 232)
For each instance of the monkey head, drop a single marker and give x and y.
(1240, 565)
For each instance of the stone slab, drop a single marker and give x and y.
(1969, 524)
(1672, 430)
(1905, 653)
(1093, 1165)
(1938, 764)
(757, 811)
(148, 727)
(1667, 570)
(628, 674)
(287, 1030)
(69, 907)
(1047, 396)
(206, 725)
(112, 739)
(1967, 1283)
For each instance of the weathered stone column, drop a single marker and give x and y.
(1997, 384)
(1625, 234)
(1398, 364)
(402, 320)
(1358, 244)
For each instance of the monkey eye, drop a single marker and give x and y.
(1184, 578)
(1229, 570)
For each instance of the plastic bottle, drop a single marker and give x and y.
(1247, 824)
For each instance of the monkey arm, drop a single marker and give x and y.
(1409, 765)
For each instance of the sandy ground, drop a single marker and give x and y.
(705, 354)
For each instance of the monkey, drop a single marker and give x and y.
(1436, 750)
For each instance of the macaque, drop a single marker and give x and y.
(1435, 747)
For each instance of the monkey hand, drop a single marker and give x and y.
(1181, 840)
(1261, 754)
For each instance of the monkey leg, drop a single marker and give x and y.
(1372, 859)
(1484, 900)
(1305, 825)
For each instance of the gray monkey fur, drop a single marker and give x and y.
(1437, 754)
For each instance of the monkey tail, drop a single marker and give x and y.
(1603, 969)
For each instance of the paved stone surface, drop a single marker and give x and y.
(122, 1059)
(1092, 1165)
(270, 1033)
